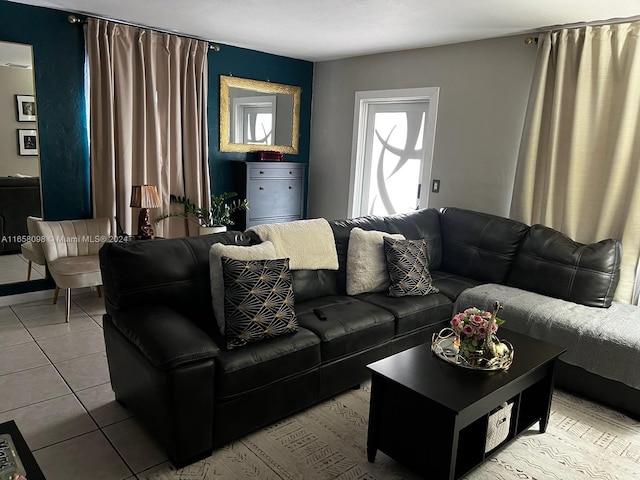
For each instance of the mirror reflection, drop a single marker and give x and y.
(20, 193)
(257, 115)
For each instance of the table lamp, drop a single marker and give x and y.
(144, 197)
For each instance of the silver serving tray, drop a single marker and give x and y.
(445, 349)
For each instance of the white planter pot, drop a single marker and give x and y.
(210, 230)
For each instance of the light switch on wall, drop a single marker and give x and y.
(435, 186)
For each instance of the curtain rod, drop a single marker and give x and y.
(595, 23)
(75, 19)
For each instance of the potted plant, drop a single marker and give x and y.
(210, 220)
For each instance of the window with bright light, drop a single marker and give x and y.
(394, 132)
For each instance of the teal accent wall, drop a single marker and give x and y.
(240, 62)
(58, 48)
(58, 51)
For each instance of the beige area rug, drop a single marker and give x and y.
(583, 441)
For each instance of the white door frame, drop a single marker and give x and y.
(361, 110)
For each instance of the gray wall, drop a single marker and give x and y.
(484, 87)
(14, 81)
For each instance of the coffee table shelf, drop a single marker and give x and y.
(433, 416)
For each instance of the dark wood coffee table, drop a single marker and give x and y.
(432, 415)
(28, 461)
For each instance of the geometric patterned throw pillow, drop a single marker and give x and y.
(258, 300)
(408, 267)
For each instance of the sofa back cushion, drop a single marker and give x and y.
(423, 224)
(414, 226)
(309, 284)
(171, 272)
(479, 245)
(552, 264)
(341, 232)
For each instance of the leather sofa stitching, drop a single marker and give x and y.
(183, 360)
(478, 249)
(294, 348)
(225, 398)
(559, 264)
(575, 272)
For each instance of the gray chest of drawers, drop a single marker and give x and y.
(275, 191)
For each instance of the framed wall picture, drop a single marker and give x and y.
(26, 108)
(27, 142)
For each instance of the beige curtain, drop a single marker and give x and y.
(578, 167)
(148, 121)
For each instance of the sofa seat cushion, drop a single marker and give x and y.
(451, 284)
(72, 272)
(351, 325)
(603, 341)
(414, 312)
(259, 364)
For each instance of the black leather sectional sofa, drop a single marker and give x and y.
(19, 198)
(167, 359)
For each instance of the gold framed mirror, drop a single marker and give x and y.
(256, 115)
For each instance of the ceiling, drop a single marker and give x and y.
(318, 30)
(15, 55)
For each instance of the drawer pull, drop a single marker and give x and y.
(290, 187)
(261, 172)
(260, 188)
(290, 173)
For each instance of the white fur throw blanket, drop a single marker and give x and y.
(309, 244)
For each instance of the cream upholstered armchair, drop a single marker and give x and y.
(71, 250)
(32, 250)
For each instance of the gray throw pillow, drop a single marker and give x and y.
(258, 300)
(408, 267)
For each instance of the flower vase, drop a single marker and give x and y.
(471, 349)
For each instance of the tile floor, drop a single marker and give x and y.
(13, 268)
(54, 382)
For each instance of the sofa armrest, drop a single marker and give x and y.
(165, 337)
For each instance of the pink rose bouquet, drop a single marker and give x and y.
(472, 328)
(473, 321)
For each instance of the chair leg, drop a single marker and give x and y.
(68, 305)
(99, 289)
(29, 271)
(55, 295)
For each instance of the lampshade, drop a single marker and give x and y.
(144, 196)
